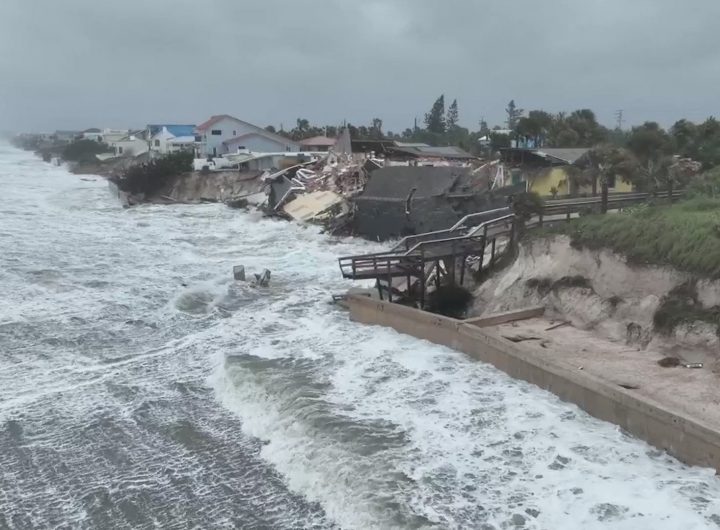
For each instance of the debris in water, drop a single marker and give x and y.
(239, 272)
(263, 280)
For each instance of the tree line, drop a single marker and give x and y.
(535, 129)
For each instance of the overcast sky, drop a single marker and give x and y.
(102, 63)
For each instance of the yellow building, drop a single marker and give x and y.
(545, 181)
(545, 172)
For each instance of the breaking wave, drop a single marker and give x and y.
(141, 387)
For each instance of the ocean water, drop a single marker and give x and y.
(141, 387)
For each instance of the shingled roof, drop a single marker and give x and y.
(219, 117)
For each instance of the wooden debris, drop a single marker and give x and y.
(520, 338)
(558, 325)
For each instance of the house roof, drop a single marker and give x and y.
(434, 152)
(174, 129)
(133, 135)
(219, 117)
(92, 130)
(550, 155)
(569, 155)
(396, 182)
(271, 136)
(212, 121)
(411, 144)
(319, 141)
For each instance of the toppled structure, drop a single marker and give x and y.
(405, 200)
(317, 191)
(316, 206)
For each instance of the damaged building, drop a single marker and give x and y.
(404, 200)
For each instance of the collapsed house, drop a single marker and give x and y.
(405, 200)
(317, 191)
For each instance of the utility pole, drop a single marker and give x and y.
(619, 117)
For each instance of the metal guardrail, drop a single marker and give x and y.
(568, 207)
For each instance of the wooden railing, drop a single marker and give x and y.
(466, 238)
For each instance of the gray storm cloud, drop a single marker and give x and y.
(77, 63)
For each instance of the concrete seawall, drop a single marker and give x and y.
(689, 439)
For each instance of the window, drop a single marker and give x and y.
(234, 133)
(157, 143)
(119, 150)
(611, 181)
(198, 138)
(216, 132)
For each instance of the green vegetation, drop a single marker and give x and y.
(685, 236)
(649, 143)
(681, 305)
(706, 185)
(149, 178)
(84, 151)
(527, 204)
(545, 285)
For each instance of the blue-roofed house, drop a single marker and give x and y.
(170, 138)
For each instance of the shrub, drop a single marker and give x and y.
(150, 177)
(681, 305)
(705, 185)
(544, 285)
(527, 204)
(541, 285)
(83, 150)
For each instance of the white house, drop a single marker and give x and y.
(113, 135)
(169, 138)
(107, 136)
(226, 134)
(132, 144)
(93, 134)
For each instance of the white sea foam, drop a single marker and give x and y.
(121, 328)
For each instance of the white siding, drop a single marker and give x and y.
(134, 147)
(230, 128)
(262, 144)
(159, 142)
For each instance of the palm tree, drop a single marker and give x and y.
(604, 162)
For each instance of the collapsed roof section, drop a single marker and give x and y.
(404, 200)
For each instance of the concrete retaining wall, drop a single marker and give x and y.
(686, 438)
